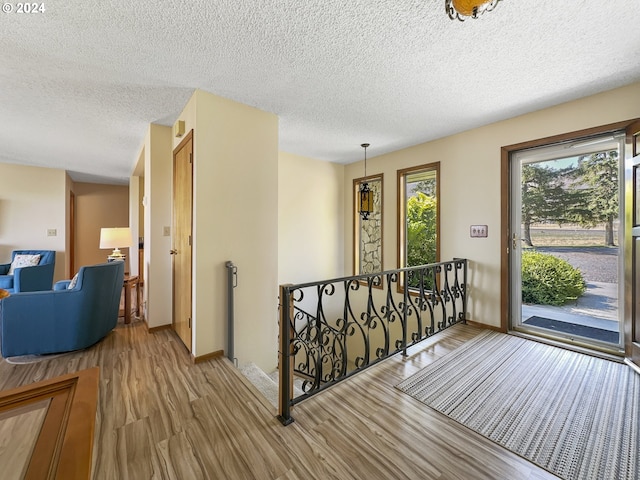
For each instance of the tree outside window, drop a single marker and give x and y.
(585, 193)
(419, 223)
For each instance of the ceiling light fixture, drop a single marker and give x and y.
(365, 206)
(463, 9)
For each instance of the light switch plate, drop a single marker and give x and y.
(479, 231)
(166, 231)
(52, 232)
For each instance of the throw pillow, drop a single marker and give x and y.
(23, 260)
(73, 282)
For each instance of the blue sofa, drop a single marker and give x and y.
(29, 279)
(63, 319)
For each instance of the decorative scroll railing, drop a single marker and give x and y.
(361, 320)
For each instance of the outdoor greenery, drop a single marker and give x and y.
(586, 194)
(421, 232)
(598, 198)
(549, 280)
(543, 197)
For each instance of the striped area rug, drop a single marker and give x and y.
(574, 415)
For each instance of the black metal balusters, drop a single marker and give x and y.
(361, 320)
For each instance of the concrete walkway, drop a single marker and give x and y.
(597, 308)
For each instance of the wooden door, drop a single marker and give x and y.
(632, 322)
(182, 238)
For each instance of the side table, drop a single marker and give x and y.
(131, 281)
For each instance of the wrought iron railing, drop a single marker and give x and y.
(361, 320)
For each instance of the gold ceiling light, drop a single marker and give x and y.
(463, 9)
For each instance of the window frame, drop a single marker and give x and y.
(402, 214)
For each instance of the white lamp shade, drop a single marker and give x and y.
(115, 237)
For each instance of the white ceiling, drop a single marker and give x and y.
(80, 83)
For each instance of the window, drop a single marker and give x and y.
(368, 233)
(419, 215)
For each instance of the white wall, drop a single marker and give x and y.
(310, 219)
(32, 201)
(235, 218)
(471, 185)
(134, 222)
(158, 163)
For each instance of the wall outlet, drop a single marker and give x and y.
(52, 232)
(479, 231)
(166, 231)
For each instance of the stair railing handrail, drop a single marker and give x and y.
(232, 283)
(421, 301)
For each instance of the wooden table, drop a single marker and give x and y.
(129, 282)
(51, 426)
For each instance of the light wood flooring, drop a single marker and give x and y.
(162, 417)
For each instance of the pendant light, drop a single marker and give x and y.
(365, 206)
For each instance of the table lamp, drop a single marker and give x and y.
(115, 238)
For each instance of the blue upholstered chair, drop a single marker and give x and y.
(63, 319)
(29, 279)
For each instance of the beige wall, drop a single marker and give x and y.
(68, 191)
(157, 214)
(135, 207)
(310, 219)
(235, 218)
(97, 206)
(33, 201)
(471, 185)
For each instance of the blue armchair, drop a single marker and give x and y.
(29, 279)
(63, 319)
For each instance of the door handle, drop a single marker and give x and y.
(173, 251)
(515, 241)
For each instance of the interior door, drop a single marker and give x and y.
(182, 238)
(632, 321)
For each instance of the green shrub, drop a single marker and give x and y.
(548, 280)
(421, 235)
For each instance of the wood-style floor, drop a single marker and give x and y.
(162, 417)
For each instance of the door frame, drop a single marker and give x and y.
(632, 296)
(189, 137)
(538, 156)
(505, 208)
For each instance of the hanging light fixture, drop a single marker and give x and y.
(463, 9)
(365, 206)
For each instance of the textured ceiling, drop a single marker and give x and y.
(80, 83)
